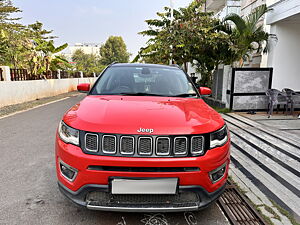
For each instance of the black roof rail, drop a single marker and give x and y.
(112, 63)
(175, 65)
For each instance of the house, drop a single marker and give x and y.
(283, 23)
(87, 48)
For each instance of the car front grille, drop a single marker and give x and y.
(109, 144)
(180, 145)
(163, 146)
(127, 145)
(182, 199)
(197, 144)
(91, 143)
(143, 145)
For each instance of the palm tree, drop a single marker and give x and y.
(248, 33)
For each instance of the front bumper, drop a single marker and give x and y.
(202, 200)
(196, 185)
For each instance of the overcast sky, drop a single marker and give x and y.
(93, 21)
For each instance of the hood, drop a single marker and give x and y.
(155, 115)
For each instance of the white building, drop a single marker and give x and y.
(87, 48)
(283, 21)
(284, 57)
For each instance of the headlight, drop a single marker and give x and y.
(68, 134)
(219, 137)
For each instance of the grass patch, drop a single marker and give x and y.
(285, 213)
(222, 110)
(6, 110)
(238, 187)
(270, 210)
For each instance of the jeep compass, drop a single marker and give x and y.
(142, 139)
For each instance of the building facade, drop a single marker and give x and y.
(87, 48)
(283, 23)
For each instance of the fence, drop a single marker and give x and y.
(19, 74)
(23, 74)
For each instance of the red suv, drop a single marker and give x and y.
(142, 140)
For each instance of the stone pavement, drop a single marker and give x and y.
(288, 123)
(266, 161)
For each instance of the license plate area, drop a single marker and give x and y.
(144, 186)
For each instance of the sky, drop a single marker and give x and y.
(93, 21)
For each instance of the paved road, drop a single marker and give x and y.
(28, 188)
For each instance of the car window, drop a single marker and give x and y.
(147, 80)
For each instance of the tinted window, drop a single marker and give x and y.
(143, 80)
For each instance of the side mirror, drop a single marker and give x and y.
(205, 91)
(85, 87)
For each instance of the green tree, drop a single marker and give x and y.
(248, 34)
(192, 36)
(46, 57)
(7, 25)
(6, 9)
(114, 50)
(87, 63)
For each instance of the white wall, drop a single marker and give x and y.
(14, 92)
(285, 56)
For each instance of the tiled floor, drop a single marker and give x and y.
(267, 157)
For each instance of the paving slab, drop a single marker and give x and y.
(268, 157)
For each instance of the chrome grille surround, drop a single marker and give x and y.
(127, 145)
(163, 148)
(137, 145)
(183, 148)
(197, 142)
(140, 144)
(91, 142)
(113, 144)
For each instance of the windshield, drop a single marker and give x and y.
(130, 80)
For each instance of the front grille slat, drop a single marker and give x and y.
(109, 144)
(145, 146)
(91, 142)
(197, 145)
(163, 146)
(180, 146)
(127, 145)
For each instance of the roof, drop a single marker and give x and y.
(143, 65)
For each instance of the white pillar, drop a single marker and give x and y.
(81, 74)
(6, 73)
(58, 74)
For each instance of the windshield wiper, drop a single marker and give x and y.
(140, 94)
(184, 95)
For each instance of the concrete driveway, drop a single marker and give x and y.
(28, 190)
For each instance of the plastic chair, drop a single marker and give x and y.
(273, 95)
(289, 93)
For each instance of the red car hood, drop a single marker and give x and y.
(127, 114)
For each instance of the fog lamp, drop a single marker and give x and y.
(217, 174)
(67, 171)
